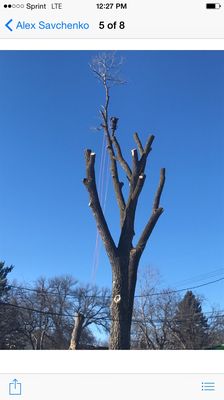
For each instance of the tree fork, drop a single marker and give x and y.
(125, 258)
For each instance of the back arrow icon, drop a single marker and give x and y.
(7, 25)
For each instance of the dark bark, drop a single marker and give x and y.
(124, 258)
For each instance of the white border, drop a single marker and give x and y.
(112, 44)
(104, 361)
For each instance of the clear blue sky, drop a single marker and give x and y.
(49, 101)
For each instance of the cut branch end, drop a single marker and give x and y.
(160, 189)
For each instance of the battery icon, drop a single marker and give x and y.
(214, 6)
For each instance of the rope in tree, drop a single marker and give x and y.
(103, 186)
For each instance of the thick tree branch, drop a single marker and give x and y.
(139, 144)
(145, 154)
(121, 159)
(156, 212)
(127, 231)
(160, 189)
(113, 166)
(138, 187)
(90, 184)
(136, 184)
(149, 144)
(148, 230)
(135, 171)
(134, 154)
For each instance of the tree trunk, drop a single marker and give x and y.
(76, 333)
(123, 289)
(120, 328)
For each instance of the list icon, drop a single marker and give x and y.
(208, 386)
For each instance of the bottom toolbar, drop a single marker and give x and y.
(111, 386)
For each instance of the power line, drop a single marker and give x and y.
(190, 318)
(45, 292)
(182, 290)
(201, 277)
(35, 310)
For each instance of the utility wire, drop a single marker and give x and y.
(202, 277)
(110, 319)
(45, 292)
(181, 290)
(35, 310)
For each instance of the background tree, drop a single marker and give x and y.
(153, 319)
(47, 310)
(91, 308)
(35, 314)
(5, 313)
(4, 286)
(190, 325)
(124, 256)
(153, 315)
(216, 328)
(10, 329)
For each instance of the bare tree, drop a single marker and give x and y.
(35, 314)
(93, 304)
(47, 310)
(91, 308)
(216, 328)
(61, 300)
(154, 313)
(124, 256)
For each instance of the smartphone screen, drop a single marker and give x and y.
(111, 209)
